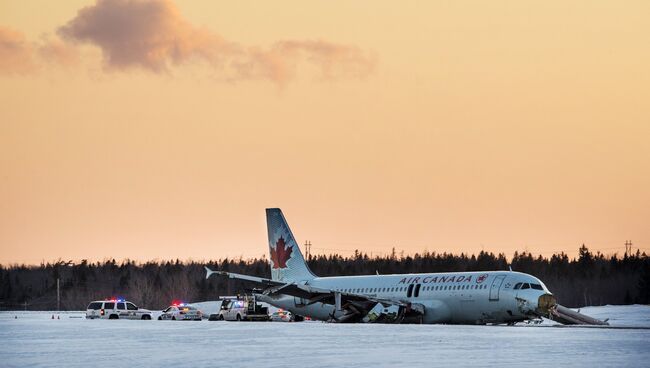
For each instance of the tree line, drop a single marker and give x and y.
(589, 279)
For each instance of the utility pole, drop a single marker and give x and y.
(308, 248)
(628, 247)
(58, 295)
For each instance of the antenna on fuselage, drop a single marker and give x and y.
(510, 268)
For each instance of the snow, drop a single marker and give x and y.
(34, 339)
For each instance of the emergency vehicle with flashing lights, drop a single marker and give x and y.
(181, 312)
(282, 315)
(116, 309)
(242, 309)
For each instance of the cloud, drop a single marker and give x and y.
(16, 54)
(54, 51)
(149, 33)
(153, 35)
(279, 63)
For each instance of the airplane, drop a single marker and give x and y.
(485, 297)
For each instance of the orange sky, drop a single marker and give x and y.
(162, 129)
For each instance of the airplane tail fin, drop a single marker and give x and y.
(287, 262)
(208, 272)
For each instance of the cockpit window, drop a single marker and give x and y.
(517, 286)
(536, 286)
(525, 286)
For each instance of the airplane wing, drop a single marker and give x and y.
(355, 307)
(232, 275)
(356, 304)
(328, 296)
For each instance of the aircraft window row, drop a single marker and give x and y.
(372, 290)
(429, 288)
(454, 287)
(525, 285)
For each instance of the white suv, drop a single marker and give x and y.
(116, 309)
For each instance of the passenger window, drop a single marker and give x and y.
(121, 306)
(109, 305)
(131, 306)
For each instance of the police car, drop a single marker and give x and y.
(282, 316)
(116, 309)
(182, 312)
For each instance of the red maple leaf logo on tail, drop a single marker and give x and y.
(281, 254)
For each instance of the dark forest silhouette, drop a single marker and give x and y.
(589, 279)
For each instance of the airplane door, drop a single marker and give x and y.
(496, 285)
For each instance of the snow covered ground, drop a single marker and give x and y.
(34, 339)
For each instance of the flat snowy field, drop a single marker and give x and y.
(34, 339)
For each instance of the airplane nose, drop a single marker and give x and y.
(545, 303)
